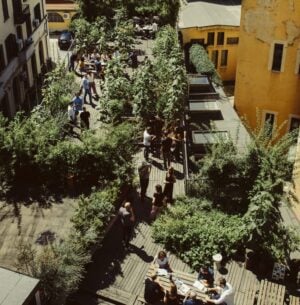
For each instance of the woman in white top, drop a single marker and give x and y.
(162, 261)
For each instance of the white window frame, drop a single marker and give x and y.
(292, 116)
(271, 54)
(264, 113)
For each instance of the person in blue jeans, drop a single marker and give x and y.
(85, 85)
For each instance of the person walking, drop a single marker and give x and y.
(73, 58)
(127, 220)
(169, 185)
(85, 85)
(144, 174)
(85, 119)
(71, 116)
(77, 102)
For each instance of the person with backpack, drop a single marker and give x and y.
(127, 220)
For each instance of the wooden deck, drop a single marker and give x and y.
(117, 275)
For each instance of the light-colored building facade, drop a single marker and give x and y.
(267, 85)
(23, 53)
(216, 27)
(60, 14)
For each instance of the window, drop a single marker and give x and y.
(11, 47)
(198, 41)
(269, 123)
(220, 38)
(37, 12)
(5, 10)
(277, 57)
(294, 123)
(224, 58)
(214, 57)
(210, 38)
(232, 40)
(55, 17)
(2, 59)
(297, 67)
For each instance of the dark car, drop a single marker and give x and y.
(65, 40)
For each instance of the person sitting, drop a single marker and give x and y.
(153, 291)
(206, 276)
(162, 261)
(190, 299)
(223, 293)
(171, 297)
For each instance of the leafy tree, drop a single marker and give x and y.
(199, 58)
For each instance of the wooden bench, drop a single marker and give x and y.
(294, 300)
(270, 293)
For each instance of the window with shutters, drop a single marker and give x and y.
(11, 47)
(277, 57)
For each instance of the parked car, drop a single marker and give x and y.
(65, 40)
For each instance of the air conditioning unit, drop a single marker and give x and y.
(66, 16)
(36, 22)
(20, 44)
(28, 41)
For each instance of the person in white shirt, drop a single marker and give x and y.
(147, 138)
(162, 261)
(224, 293)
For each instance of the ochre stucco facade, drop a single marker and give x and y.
(268, 59)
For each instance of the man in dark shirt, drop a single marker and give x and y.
(153, 291)
(85, 118)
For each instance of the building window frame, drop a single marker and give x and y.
(5, 10)
(210, 38)
(55, 17)
(224, 58)
(291, 117)
(215, 57)
(297, 66)
(232, 40)
(272, 58)
(220, 38)
(265, 113)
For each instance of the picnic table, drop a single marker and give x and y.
(270, 293)
(177, 276)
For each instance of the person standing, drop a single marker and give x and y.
(73, 58)
(85, 119)
(87, 90)
(169, 185)
(157, 201)
(71, 116)
(127, 219)
(166, 144)
(77, 102)
(92, 85)
(147, 138)
(144, 174)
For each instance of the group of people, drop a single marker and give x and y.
(221, 293)
(163, 141)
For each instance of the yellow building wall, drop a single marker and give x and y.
(258, 89)
(227, 73)
(60, 26)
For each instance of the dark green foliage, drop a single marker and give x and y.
(160, 86)
(203, 65)
(195, 233)
(241, 194)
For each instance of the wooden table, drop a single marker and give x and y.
(186, 278)
(270, 293)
